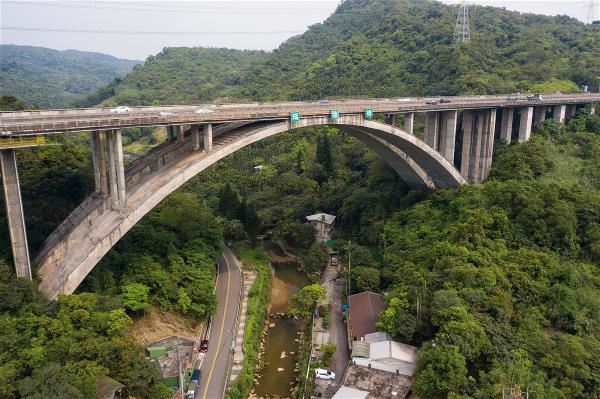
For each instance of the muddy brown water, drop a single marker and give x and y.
(281, 338)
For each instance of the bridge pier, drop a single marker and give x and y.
(99, 161)
(409, 122)
(170, 133)
(506, 126)
(432, 129)
(180, 133)
(571, 111)
(478, 144)
(208, 137)
(559, 113)
(539, 115)
(117, 170)
(448, 134)
(196, 137)
(525, 125)
(591, 108)
(14, 213)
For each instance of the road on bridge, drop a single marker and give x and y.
(215, 366)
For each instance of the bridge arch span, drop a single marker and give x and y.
(94, 228)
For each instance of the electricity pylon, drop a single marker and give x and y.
(462, 33)
(591, 6)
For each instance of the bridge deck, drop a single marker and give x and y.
(14, 124)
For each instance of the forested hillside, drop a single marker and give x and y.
(55, 79)
(382, 48)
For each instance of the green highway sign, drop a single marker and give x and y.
(335, 114)
(295, 116)
(369, 113)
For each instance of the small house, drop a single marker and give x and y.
(323, 224)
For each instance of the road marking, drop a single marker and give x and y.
(212, 367)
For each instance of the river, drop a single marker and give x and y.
(281, 338)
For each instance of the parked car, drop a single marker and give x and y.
(204, 111)
(204, 346)
(445, 101)
(190, 394)
(120, 110)
(324, 374)
(335, 261)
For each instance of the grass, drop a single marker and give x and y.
(567, 170)
(258, 302)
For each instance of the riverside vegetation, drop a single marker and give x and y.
(502, 277)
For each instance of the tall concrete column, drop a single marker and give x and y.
(208, 137)
(508, 115)
(171, 134)
(487, 144)
(14, 213)
(468, 128)
(409, 122)
(478, 144)
(448, 134)
(571, 111)
(99, 161)
(559, 113)
(196, 137)
(591, 108)
(117, 170)
(179, 133)
(539, 115)
(432, 129)
(525, 125)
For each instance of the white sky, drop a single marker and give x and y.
(241, 24)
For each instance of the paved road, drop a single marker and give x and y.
(214, 369)
(59, 121)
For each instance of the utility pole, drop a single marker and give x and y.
(180, 376)
(349, 269)
(462, 32)
(591, 6)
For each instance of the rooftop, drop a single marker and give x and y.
(380, 384)
(364, 312)
(106, 387)
(393, 350)
(321, 217)
(350, 393)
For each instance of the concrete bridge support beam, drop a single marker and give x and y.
(196, 137)
(591, 108)
(170, 133)
(179, 133)
(506, 126)
(478, 144)
(525, 125)
(208, 137)
(14, 213)
(391, 119)
(448, 135)
(571, 111)
(539, 115)
(99, 161)
(117, 170)
(432, 129)
(559, 113)
(409, 122)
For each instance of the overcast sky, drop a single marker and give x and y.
(121, 28)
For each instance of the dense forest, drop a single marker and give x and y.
(379, 48)
(49, 78)
(496, 283)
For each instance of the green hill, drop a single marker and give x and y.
(54, 79)
(382, 48)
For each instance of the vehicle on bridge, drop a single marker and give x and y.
(536, 96)
(120, 110)
(431, 102)
(445, 100)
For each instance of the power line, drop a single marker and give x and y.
(122, 32)
(168, 9)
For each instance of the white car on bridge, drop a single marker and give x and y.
(120, 110)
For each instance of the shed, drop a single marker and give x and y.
(363, 313)
(360, 349)
(350, 393)
(156, 351)
(107, 388)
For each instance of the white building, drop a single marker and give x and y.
(390, 356)
(323, 224)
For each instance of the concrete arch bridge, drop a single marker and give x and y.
(124, 195)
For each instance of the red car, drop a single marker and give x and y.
(204, 346)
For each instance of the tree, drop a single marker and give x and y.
(303, 302)
(229, 202)
(328, 350)
(135, 297)
(324, 156)
(396, 319)
(441, 369)
(159, 391)
(316, 260)
(49, 381)
(367, 278)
